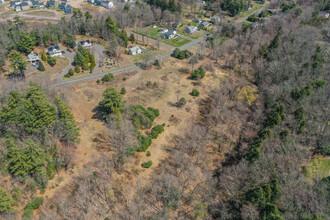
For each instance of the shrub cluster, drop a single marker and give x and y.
(155, 131)
(274, 118)
(198, 74)
(34, 204)
(147, 164)
(141, 117)
(107, 78)
(177, 53)
(195, 92)
(264, 197)
(85, 59)
(308, 90)
(145, 142)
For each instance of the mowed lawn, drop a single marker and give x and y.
(318, 167)
(196, 35)
(153, 33)
(42, 13)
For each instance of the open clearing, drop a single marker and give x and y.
(319, 167)
(42, 13)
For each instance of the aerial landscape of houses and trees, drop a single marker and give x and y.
(165, 109)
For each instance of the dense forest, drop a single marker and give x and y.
(244, 155)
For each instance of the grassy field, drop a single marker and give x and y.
(176, 42)
(42, 13)
(150, 32)
(196, 35)
(319, 167)
(153, 33)
(255, 7)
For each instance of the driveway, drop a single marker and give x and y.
(70, 56)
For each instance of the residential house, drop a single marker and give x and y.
(54, 51)
(197, 20)
(33, 58)
(85, 43)
(68, 9)
(208, 15)
(51, 4)
(134, 50)
(22, 6)
(90, 1)
(215, 19)
(168, 35)
(28, 1)
(97, 2)
(107, 4)
(36, 4)
(62, 5)
(13, 4)
(164, 30)
(190, 29)
(204, 24)
(323, 14)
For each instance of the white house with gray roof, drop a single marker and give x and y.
(135, 50)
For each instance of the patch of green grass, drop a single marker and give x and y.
(150, 32)
(255, 7)
(177, 42)
(195, 35)
(42, 13)
(319, 167)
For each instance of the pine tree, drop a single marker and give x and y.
(41, 66)
(6, 202)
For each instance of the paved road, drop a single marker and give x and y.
(21, 14)
(94, 76)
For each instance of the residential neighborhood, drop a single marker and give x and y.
(164, 109)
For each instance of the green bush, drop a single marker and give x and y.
(155, 131)
(145, 142)
(148, 154)
(142, 118)
(41, 66)
(77, 69)
(123, 91)
(198, 74)
(147, 164)
(98, 81)
(30, 206)
(319, 83)
(107, 78)
(6, 202)
(112, 102)
(182, 101)
(177, 53)
(195, 92)
(71, 72)
(51, 60)
(284, 134)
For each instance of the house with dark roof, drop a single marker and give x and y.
(107, 4)
(85, 43)
(134, 50)
(68, 9)
(36, 4)
(51, 4)
(170, 34)
(197, 20)
(323, 14)
(22, 6)
(12, 4)
(190, 29)
(62, 5)
(204, 24)
(28, 1)
(54, 51)
(33, 57)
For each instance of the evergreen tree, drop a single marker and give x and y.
(41, 66)
(66, 117)
(111, 103)
(6, 202)
(18, 62)
(77, 69)
(111, 25)
(25, 43)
